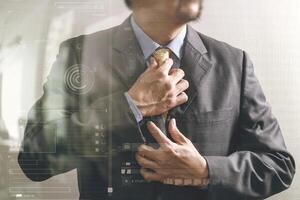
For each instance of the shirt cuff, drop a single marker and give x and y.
(137, 113)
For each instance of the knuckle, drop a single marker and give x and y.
(139, 148)
(171, 102)
(162, 72)
(169, 86)
(161, 75)
(171, 94)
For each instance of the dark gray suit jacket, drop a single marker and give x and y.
(83, 120)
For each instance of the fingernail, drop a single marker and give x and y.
(174, 122)
(148, 123)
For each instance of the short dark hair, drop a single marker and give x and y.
(128, 3)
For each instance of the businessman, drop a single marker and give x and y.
(197, 125)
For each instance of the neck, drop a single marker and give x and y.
(159, 28)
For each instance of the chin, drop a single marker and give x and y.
(189, 10)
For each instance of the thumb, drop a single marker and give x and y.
(167, 65)
(152, 63)
(177, 136)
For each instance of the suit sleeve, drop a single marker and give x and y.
(62, 128)
(261, 165)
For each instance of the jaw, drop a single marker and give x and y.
(188, 10)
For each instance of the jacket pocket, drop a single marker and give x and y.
(210, 132)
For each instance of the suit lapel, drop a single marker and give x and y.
(127, 57)
(196, 66)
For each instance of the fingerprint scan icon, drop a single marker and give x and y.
(79, 79)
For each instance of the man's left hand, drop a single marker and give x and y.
(176, 161)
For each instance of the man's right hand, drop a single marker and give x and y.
(159, 88)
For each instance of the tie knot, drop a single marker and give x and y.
(161, 54)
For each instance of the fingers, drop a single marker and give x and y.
(173, 181)
(166, 66)
(158, 135)
(186, 182)
(144, 162)
(172, 102)
(181, 98)
(182, 86)
(177, 74)
(148, 152)
(150, 175)
(177, 136)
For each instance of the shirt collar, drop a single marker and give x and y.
(148, 46)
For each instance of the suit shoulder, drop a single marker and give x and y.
(219, 48)
(100, 37)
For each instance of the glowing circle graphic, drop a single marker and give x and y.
(79, 79)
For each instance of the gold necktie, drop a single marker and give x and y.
(161, 55)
